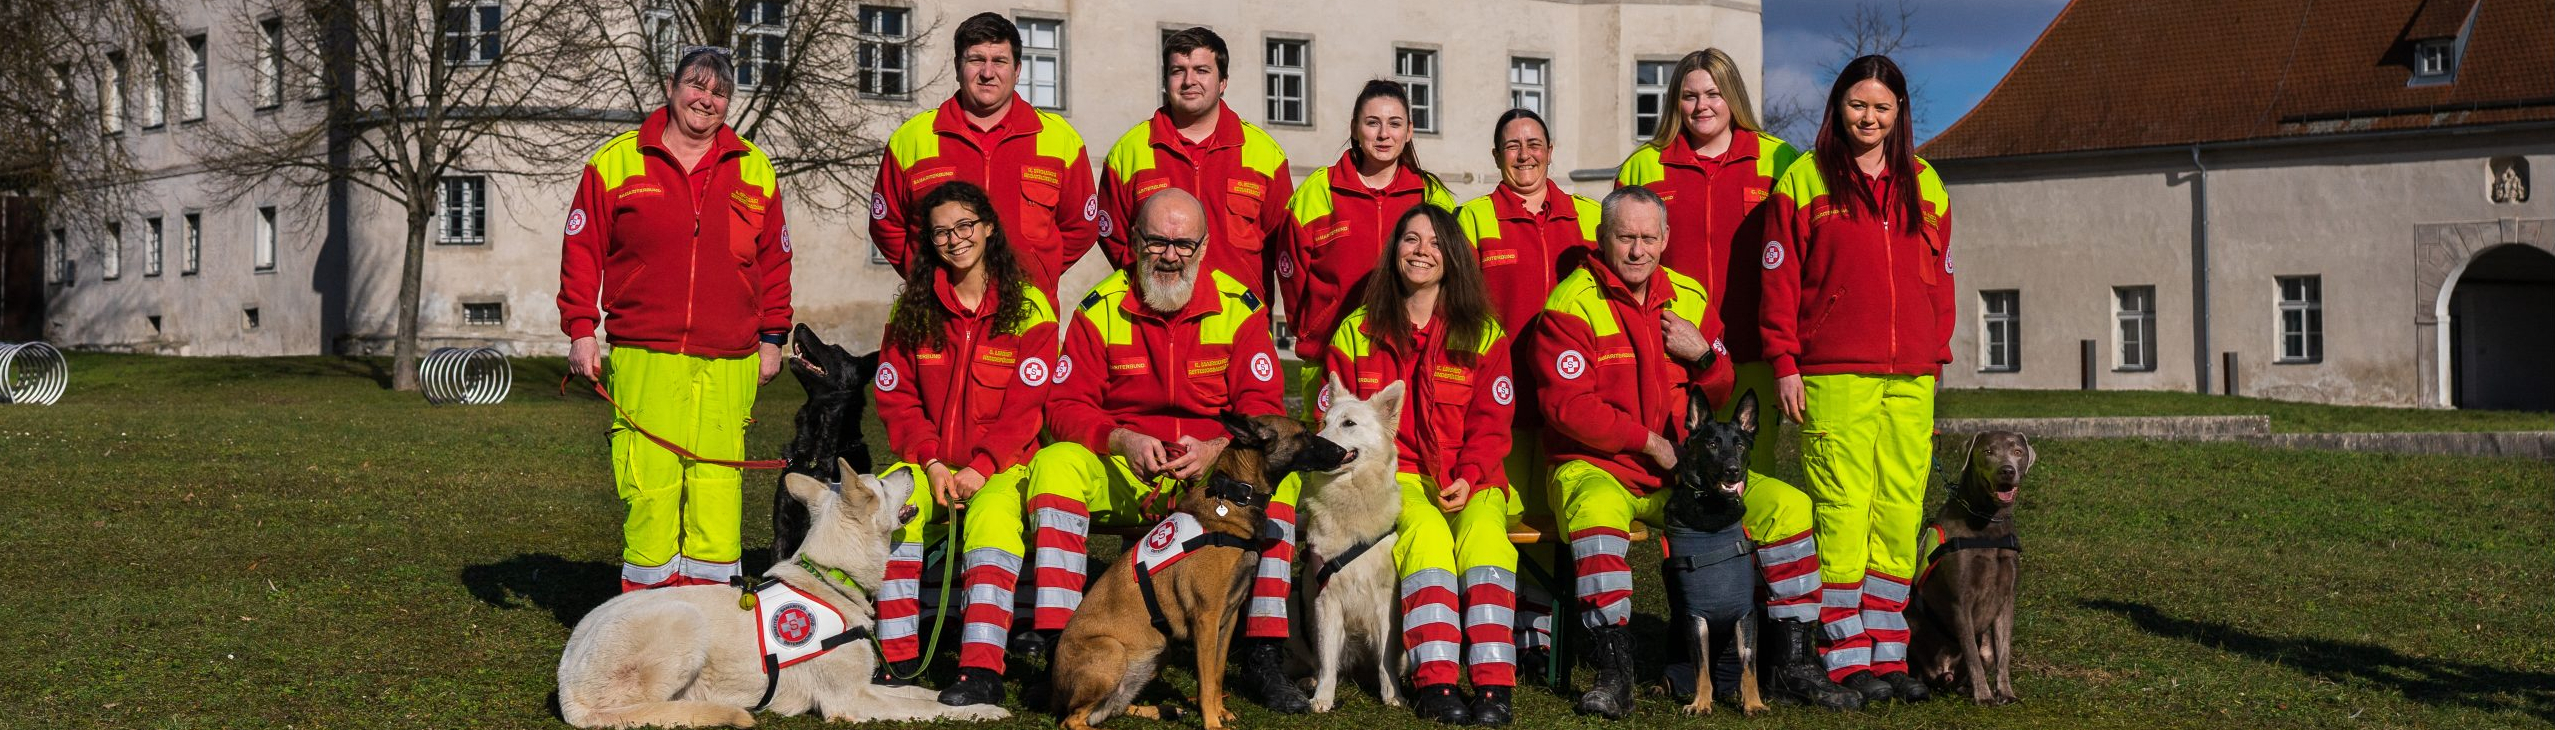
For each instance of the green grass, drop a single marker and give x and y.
(282, 543)
(2286, 416)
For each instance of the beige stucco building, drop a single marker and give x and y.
(2347, 219)
(1586, 63)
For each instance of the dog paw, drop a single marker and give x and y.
(1323, 705)
(1753, 710)
(1699, 707)
(984, 712)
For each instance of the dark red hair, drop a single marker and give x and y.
(1836, 153)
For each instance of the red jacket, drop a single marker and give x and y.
(1455, 416)
(1334, 230)
(1608, 381)
(669, 267)
(1164, 376)
(977, 402)
(1524, 254)
(1237, 172)
(1031, 164)
(1716, 222)
(1856, 293)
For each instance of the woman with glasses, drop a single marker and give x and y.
(962, 376)
(676, 235)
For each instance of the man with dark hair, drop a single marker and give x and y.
(1197, 144)
(1029, 161)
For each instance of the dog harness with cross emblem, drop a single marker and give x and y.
(793, 626)
(1179, 535)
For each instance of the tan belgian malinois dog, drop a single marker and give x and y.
(1183, 580)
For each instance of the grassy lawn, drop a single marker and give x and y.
(2286, 417)
(283, 543)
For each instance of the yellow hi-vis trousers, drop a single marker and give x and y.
(1866, 447)
(685, 517)
(993, 536)
(1434, 548)
(1597, 513)
(1070, 487)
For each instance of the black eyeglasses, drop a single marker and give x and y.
(1187, 246)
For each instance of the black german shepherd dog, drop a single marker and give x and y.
(829, 428)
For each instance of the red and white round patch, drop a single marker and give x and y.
(878, 206)
(1162, 535)
(1502, 391)
(1718, 349)
(576, 221)
(785, 238)
(1571, 364)
(886, 379)
(1323, 400)
(1286, 266)
(1773, 254)
(1947, 262)
(1263, 367)
(1106, 225)
(1064, 368)
(1091, 207)
(793, 625)
(1034, 372)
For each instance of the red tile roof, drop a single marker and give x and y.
(2124, 74)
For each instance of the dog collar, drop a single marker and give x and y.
(1236, 491)
(832, 573)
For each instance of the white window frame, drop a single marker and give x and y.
(154, 240)
(1530, 78)
(467, 320)
(761, 42)
(471, 37)
(2133, 311)
(270, 63)
(264, 244)
(191, 101)
(1657, 89)
(663, 36)
(61, 272)
(155, 88)
(2000, 354)
(111, 256)
(1277, 75)
(2434, 60)
(2301, 319)
(1032, 55)
(462, 221)
(1416, 68)
(190, 243)
(878, 78)
(112, 92)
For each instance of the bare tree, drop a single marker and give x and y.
(1871, 29)
(60, 69)
(414, 89)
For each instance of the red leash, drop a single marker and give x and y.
(669, 445)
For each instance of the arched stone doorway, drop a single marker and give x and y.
(2500, 354)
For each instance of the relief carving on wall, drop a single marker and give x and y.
(2509, 179)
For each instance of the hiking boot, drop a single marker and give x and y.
(1264, 673)
(1033, 643)
(974, 687)
(1534, 662)
(888, 673)
(1795, 673)
(1874, 690)
(1610, 653)
(1906, 687)
(1441, 702)
(1491, 706)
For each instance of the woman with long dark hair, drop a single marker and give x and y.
(1716, 168)
(961, 384)
(1338, 222)
(1857, 321)
(1427, 322)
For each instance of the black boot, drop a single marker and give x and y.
(1906, 687)
(1610, 653)
(1533, 663)
(888, 673)
(1874, 690)
(1796, 674)
(1490, 706)
(1264, 672)
(974, 687)
(1033, 643)
(1441, 702)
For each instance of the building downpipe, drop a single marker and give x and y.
(2200, 276)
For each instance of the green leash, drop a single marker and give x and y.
(940, 619)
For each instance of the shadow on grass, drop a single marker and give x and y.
(568, 589)
(2428, 681)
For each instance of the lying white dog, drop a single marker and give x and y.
(701, 655)
(1349, 515)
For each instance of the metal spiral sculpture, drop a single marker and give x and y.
(470, 375)
(32, 372)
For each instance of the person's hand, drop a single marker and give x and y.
(968, 481)
(1452, 497)
(1788, 392)
(1143, 453)
(1198, 456)
(944, 484)
(1661, 451)
(1684, 341)
(585, 358)
(771, 362)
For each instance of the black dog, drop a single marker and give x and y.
(1711, 580)
(829, 428)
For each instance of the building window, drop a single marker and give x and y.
(266, 238)
(1527, 84)
(483, 314)
(111, 94)
(2434, 61)
(316, 84)
(151, 238)
(886, 51)
(2301, 319)
(2134, 312)
(463, 211)
(1285, 66)
(761, 28)
(191, 98)
(248, 318)
(1417, 70)
(472, 31)
(2000, 331)
(1649, 95)
(155, 88)
(60, 271)
(191, 244)
(663, 36)
(111, 260)
(1042, 62)
(270, 63)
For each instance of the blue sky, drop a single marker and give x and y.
(1965, 46)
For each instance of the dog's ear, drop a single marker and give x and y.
(1245, 433)
(1388, 405)
(806, 489)
(1698, 409)
(861, 367)
(1339, 390)
(1747, 414)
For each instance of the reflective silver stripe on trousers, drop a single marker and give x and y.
(1272, 568)
(1281, 530)
(1842, 598)
(1849, 627)
(1491, 653)
(1885, 589)
(1889, 651)
(1428, 614)
(1796, 586)
(1426, 579)
(1795, 612)
(996, 557)
(1486, 575)
(1059, 597)
(1884, 620)
(1062, 559)
(989, 595)
(1842, 658)
(1788, 552)
(977, 633)
(1591, 546)
(1268, 606)
(1483, 614)
(647, 575)
(707, 570)
(1537, 631)
(1600, 583)
(1435, 651)
(1056, 519)
(899, 590)
(1613, 613)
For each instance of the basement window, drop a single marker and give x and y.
(483, 314)
(248, 318)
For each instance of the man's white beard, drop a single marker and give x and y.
(1166, 295)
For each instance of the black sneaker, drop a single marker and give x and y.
(889, 672)
(974, 687)
(1442, 703)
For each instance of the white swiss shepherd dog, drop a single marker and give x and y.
(693, 656)
(1357, 504)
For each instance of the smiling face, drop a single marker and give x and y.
(1171, 235)
(986, 73)
(1383, 129)
(1707, 115)
(698, 98)
(1998, 461)
(1525, 156)
(1195, 86)
(1417, 256)
(1868, 112)
(958, 233)
(1635, 235)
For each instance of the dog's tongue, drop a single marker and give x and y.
(2006, 496)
